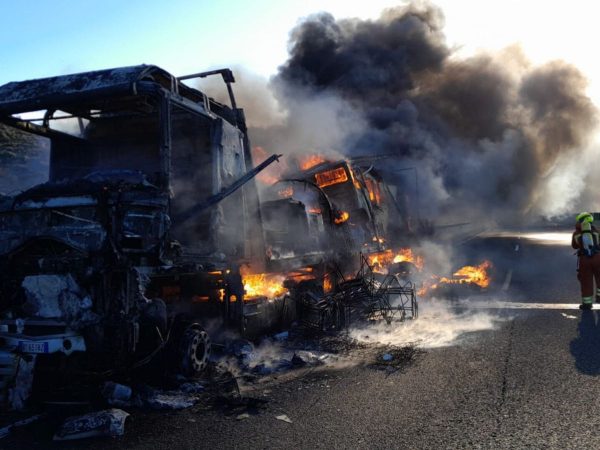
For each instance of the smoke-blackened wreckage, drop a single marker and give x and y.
(162, 240)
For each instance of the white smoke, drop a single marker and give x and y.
(439, 325)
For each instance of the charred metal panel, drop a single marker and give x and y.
(44, 92)
(231, 230)
(75, 226)
(208, 158)
(287, 228)
(192, 169)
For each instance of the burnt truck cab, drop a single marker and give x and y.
(136, 237)
(339, 208)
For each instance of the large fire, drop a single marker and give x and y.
(381, 260)
(271, 285)
(310, 161)
(330, 177)
(473, 275)
(268, 285)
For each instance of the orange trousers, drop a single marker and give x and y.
(588, 269)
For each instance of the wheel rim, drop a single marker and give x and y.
(200, 351)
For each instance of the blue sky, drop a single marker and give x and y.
(42, 38)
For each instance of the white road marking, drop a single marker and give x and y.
(523, 305)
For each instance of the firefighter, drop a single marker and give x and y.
(586, 240)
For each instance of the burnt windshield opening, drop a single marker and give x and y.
(24, 160)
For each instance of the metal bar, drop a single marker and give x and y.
(228, 78)
(214, 199)
(29, 127)
(231, 96)
(227, 75)
(165, 138)
(370, 207)
(41, 119)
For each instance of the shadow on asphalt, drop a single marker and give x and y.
(585, 348)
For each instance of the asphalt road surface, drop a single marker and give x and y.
(531, 380)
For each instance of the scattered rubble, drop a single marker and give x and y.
(20, 392)
(5, 431)
(110, 423)
(284, 418)
(240, 361)
(144, 396)
(116, 394)
(58, 297)
(282, 336)
(395, 359)
(168, 400)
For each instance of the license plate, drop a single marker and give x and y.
(33, 347)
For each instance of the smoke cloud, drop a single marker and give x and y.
(439, 325)
(487, 133)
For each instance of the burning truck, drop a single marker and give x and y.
(340, 208)
(134, 242)
(148, 233)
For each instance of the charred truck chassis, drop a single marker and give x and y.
(135, 241)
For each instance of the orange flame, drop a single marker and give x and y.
(471, 275)
(286, 192)
(333, 176)
(310, 161)
(327, 283)
(381, 260)
(341, 217)
(374, 191)
(475, 275)
(268, 285)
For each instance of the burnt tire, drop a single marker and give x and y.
(194, 351)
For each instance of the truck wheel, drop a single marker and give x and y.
(194, 351)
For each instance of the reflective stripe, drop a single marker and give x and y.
(587, 300)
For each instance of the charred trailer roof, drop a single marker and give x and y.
(141, 118)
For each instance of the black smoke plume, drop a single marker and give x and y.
(488, 134)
